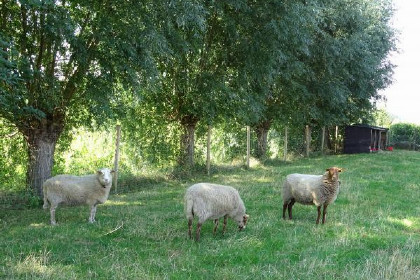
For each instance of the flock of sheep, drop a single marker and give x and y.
(204, 200)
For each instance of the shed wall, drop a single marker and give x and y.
(357, 140)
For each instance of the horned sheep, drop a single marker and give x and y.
(321, 190)
(212, 201)
(77, 190)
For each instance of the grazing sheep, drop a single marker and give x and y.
(321, 190)
(76, 190)
(211, 201)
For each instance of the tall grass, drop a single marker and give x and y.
(372, 230)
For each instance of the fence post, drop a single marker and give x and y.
(208, 149)
(308, 139)
(285, 144)
(323, 140)
(248, 145)
(117, 158)
(336, 139)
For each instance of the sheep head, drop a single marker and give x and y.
(333, 173)
(105, 176)
(243, 221)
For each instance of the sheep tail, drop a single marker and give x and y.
(189, 203)
(46, 204)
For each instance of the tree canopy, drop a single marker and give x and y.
(79, 62)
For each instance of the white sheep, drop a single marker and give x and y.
(77, 190)
(211, 201)
(321, 190)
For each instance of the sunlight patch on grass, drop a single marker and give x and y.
(385, 264)
(123, 203)
(35, 263)
(37, 225)
(413, 186)
(404, 222)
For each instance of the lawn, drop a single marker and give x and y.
(372, 230)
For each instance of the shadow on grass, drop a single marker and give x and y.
(130, 183)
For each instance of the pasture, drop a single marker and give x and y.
(372, 230)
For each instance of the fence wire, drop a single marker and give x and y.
(89, 151)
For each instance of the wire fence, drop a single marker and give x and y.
(89, 151)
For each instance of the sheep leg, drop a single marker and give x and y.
(92, 214)
(284, 210)
(197, 235)
(216, 224)
(189, 227)
(224, 223)
(319, 214)
(52, 213)
(289, 207)
(324, 213)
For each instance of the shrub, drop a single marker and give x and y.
(405, 133)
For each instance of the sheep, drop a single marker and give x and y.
(211, 201)
(77, 190)
(321, 190)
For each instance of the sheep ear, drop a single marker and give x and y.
(340, 170)
(328, 169)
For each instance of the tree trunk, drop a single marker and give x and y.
(328, 139)
(41, 141)
(262, 132)
(186, 157)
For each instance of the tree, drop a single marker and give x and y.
(197, 81)
(383, 118)
(342, 70)
(284, 31)
(350, 60)
(60, 61)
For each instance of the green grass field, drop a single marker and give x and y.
(372, 230)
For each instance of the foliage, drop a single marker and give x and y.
(167, 70)
(371, 230)
(61, 61)
(382, 118)
(13, 158)
(349, 61)
(405, 132)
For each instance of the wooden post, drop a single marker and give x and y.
(248, 145)
(322, 140)
(117, 158)
(285, 144)
(308, 139)
(374, 139)
(208, 149)
(379, 139)
(336, 139)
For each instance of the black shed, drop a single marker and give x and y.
(364, 139)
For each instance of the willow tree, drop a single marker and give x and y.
(282, 33)
(197, 80)
(345, 65)
(350, 60)
(60, 60)
(222, 68)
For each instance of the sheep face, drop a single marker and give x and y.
(105, 176)
(333, 173)
(242, 221)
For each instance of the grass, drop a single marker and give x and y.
(372, 230)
